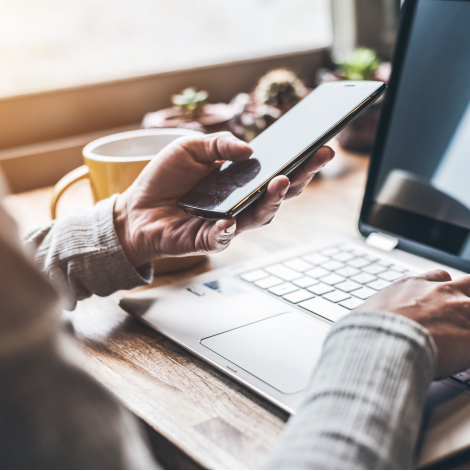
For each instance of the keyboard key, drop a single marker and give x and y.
(254, 275)
(364, 293)
(390, 275)
(298, 296)
(332, 265)
(316, 258)
(320, 288)
(358, 263)
(325, 308)
(411, 273)
(351, 303)
(398, 268)
(283, 272)
(384, 263)
(348, 286)
(332, 279)
(348, 271)
(370, 258)
(269, 282)
(379, 284)
(330, 251)
(374, 269)
(305, 281)
(281, 290)
(336, 296)
(343, 256)
(298, 264)
(363, 278)
(357, 253)
(317, 272)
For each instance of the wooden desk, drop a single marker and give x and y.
(202, 418)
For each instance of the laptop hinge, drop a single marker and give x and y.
(381, 241)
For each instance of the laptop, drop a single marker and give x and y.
(263, 323)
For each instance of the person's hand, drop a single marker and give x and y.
(440, 305)
(150, 226)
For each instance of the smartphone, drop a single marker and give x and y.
(281, 148)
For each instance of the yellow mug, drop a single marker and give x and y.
(112, 163)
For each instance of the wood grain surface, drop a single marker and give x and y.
(210, 419)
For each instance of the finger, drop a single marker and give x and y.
(301, 176)
(263, 211)
(277, 188)
(463, 284)
(221, 234)
(217, 146)
(436, 275)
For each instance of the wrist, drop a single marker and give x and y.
(125, 234)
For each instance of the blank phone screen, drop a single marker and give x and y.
(280, 144)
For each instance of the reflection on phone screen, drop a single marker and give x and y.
(216, 188)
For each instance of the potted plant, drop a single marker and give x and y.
(361, 64)
(192, 111)
(276, 93)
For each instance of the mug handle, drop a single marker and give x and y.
(65, 182)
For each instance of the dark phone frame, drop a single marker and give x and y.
(289, 167)
(404, 32)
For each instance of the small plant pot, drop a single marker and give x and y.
(212, 118)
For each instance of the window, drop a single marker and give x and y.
(50, 44)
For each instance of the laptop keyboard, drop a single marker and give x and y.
(329, 282)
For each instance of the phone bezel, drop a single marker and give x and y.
(289, 167)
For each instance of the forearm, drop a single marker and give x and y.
(364, 406)
(81, 252)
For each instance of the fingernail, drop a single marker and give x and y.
(283, 193)
(231, 229)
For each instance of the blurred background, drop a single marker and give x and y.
(49, 44)
(75, 70)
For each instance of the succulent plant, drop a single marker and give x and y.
(280, 88)
(190, 101)
(362, 64)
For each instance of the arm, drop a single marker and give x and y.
(110, 247)
(364, 406)
(81, 253)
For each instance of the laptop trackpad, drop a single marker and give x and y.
(281, 350)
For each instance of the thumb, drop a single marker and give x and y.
(221, 234)
(218, 146)
(436, 275)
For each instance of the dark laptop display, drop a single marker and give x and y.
(419, 182)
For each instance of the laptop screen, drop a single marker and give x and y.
(419, 183)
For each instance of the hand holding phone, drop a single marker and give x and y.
(150, 226)
(281, 148)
